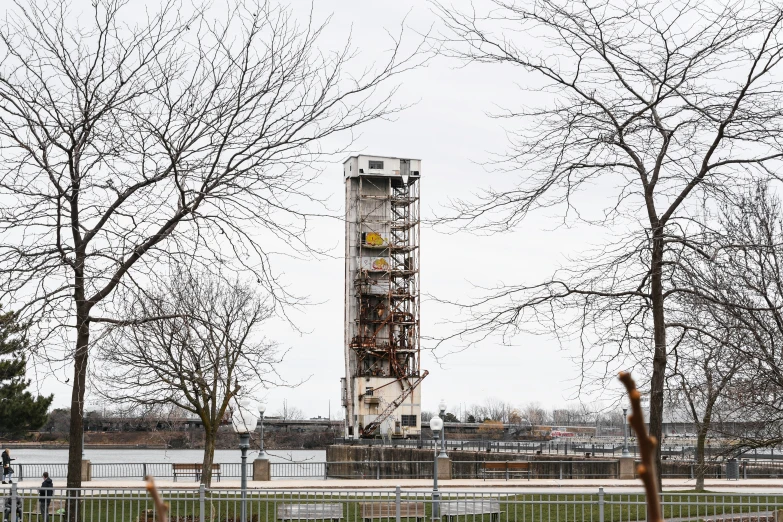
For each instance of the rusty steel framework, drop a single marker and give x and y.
(382, 311)
(387, 343)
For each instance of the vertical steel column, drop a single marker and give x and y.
(201, 503)
(625, 433)
(435, 493)
(600, 504)
(261, 453)
(14, 488)
(397, 495)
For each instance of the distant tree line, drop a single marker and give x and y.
(533, 413)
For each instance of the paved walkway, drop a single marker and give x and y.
(538, 485)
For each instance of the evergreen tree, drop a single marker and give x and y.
(19, 410)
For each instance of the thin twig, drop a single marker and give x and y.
(647, 443)
(161, 508)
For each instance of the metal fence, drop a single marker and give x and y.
(592, 468)
(464, 469)
(224, 505)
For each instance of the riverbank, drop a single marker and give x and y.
(60, 445)
(165, 439)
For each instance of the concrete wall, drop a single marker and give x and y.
(408, 462)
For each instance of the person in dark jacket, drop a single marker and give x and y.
(7, 508)
(45, 496)
(7, 470)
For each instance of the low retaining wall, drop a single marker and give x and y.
(388, 462)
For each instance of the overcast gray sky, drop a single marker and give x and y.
(449, 129)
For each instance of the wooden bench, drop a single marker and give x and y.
(506, 469)
(193, 469)
(55, 505)
(310, 511)
(388, 510)
(470, 506)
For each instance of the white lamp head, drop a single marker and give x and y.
(436, 424)
(261, 408)
(442, 406)
(243, 420)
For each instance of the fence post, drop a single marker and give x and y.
(143, 470)
(397, 503)
(13, 502)
(601, 504)
(378, 470)
(21, 473)
(201, 503)
(561, 471)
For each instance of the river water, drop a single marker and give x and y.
(179, 456)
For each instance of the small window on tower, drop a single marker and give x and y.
(368, 392)
(377, 165)
(408, 420)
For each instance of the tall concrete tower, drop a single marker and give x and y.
(380, 390)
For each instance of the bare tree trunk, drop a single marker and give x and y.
(77, 405)
(659, 356)
(209, 456)
(701, 437)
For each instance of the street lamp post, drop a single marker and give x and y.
(436, 425)
(442, 408)
(244, 423)
(261, 410)
(625, 433)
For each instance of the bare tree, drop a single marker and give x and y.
(660, 105)
(126, 147)
(702, 373)
(737, 352)
(289, 412)
(198, 361)
(535, 413)
(491, 409)
(707, 352)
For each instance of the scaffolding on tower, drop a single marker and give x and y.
(387, 282)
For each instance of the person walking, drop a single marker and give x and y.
(7, 469)
(45, 496)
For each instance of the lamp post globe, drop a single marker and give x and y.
(436, 424)
(244, 423)
(442, 409)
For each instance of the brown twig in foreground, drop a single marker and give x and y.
(646, 469)
(161, 509)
